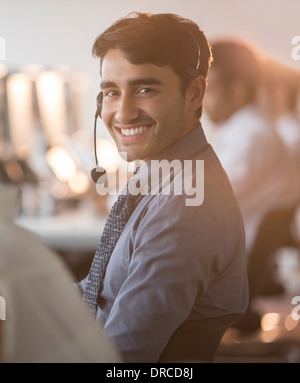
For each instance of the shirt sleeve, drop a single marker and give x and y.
(170, 266)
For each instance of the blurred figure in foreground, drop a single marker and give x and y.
(250, 150)
(45, 320)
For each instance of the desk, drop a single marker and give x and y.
(73, 234)
(72, 231)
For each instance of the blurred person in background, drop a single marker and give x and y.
(252, 153)
(277, 96)
(45, 319)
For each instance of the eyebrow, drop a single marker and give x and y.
(135, 82)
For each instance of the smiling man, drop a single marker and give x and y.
(167, 279)
(145, 111)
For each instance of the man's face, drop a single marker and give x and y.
(143, 107)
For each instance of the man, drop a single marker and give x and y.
(277, 98)
(254, 157)
(176, 278)
(277, 95)
(248, 147)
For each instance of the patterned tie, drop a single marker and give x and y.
(116, 221)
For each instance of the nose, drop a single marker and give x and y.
(127, 110)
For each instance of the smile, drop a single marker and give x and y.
(134, 131)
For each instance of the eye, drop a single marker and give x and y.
(111, 93)
(146, 90)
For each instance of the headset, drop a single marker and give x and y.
(98, 173)
(191, 71)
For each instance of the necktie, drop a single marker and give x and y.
(116, 221)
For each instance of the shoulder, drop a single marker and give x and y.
(213, 221)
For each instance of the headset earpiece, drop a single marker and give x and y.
(191, 71)
(99, 101)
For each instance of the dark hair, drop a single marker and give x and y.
(160, 39)
(237, 60)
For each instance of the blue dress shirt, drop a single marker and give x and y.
(177, 278)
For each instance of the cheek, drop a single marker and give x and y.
(156, 110)
(107, 115)
(168, 107)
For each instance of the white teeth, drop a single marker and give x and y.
(133, 132)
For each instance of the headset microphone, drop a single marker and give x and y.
(98, 173)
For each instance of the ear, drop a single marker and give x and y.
(196, 91)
